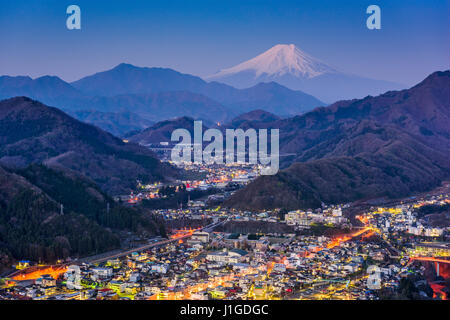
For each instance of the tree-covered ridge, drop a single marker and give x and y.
(31, 132)
(32, 226)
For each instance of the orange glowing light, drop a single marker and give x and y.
(54, 272)
(363, 219)
(339, 240)
(183, 233)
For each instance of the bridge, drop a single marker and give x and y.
(432, 259)
(436, 260)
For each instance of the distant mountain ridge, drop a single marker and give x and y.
(129, 79)
(50, 89)
(34, 227)
(116, 123)
(164, 105)
(289, 66)
(155, 94)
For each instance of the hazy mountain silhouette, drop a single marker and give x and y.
(129, 79)
(155, 94)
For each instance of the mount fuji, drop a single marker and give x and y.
(289, 66)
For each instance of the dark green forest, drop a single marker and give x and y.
(32, 226)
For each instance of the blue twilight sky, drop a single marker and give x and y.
(200, 37)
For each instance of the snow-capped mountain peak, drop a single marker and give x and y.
(280, 60)
(289, 66)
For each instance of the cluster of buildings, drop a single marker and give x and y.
(404, 218)
(222, 178)
(304, 219)
(212, 266)
(263, 265)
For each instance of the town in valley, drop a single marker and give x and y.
(212, 252)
